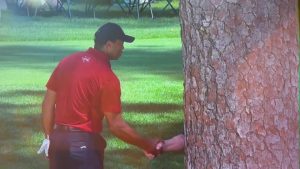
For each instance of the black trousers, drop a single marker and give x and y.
(76, 150)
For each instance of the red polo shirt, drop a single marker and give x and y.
(85, 87)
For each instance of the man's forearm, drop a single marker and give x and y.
(129, 135)
(174, 144)
(124, 132)
(48, 108)
(47, 120)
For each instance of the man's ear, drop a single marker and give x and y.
(109, 44)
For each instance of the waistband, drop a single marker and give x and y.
(100, 141)
(66, 128)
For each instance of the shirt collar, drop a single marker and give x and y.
(99, 55)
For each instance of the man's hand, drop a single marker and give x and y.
(45, 146)
(157, 151)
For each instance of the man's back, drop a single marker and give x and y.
(79, 80)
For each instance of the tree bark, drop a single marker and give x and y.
(241, 84)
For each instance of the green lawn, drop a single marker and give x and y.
(150, 72)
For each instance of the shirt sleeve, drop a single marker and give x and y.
(110, 98)
(52, 82)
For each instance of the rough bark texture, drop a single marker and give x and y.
(241, 83)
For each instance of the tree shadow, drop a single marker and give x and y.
(16, 116)
(15, 160)
(21, 121)
(133, 158)
(163, 130)
(141, 59)
(151, 107)
(33, 54)
(13, 122)
(15, 106)
(20, 92)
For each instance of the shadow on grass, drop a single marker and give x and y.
(19, 123)
(15, 106)
(15, 160)
(19, 153)
(25, 92)
(164, 130)
(149, 57)
(33, 54)
(151, 107)
(160, 62)
(135, 159)
(15, 119)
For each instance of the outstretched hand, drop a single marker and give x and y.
(158, 149)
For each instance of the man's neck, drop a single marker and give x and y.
(102, 49)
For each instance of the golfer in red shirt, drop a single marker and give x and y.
(81, 92)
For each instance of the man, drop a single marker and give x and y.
(81, 91)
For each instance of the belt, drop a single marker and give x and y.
(65, 128)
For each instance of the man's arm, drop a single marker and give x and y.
(174, 144)
(48, 108)
(122, 130)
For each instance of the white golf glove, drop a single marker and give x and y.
(45, 146)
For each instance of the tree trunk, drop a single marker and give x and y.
(241, 83)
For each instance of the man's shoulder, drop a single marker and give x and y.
(74, 55)
(77, 54)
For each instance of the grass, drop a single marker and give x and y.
(150, 72)
(63, 29)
